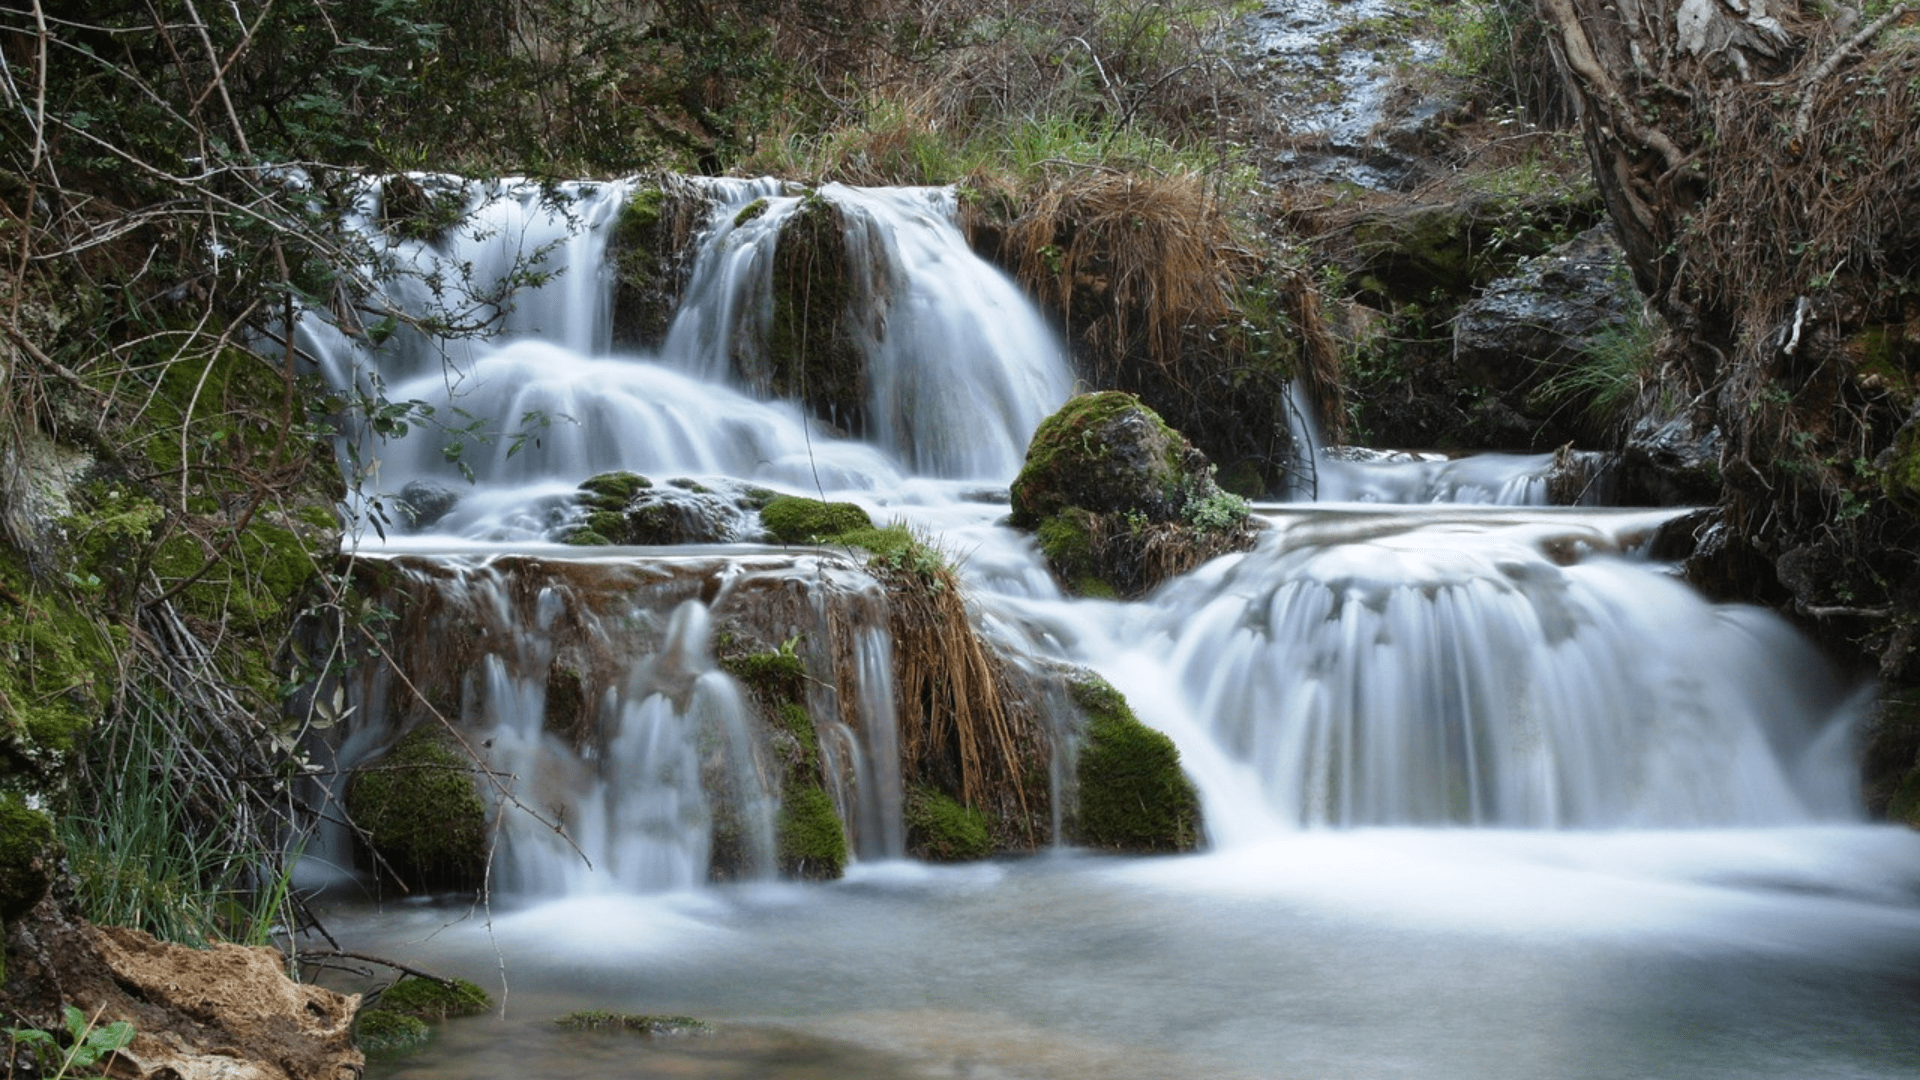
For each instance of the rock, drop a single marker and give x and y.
(626, 509)
(1547, 318)
(1120, 501)
(421, 813)
(226, 1012)
(1132, 795)
(425, 502)
(1670, 462)
(1890, 759)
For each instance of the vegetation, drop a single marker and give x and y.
(1120, 501)
(1132, 795)
(649, 1026)
(434, 1000)
(88, 1044)
(421, 815)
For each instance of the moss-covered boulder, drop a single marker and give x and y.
(809, 839)
(649, 250)
(1120, 501)
(629, 509)
(790, 519)
(383, 1031)
(433, 1000)
(811, 353)
(420, 812)
(941, 829)
(27, 856)
(1132, 797)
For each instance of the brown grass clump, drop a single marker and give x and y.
(960, 729)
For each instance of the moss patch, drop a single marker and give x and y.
(649, 1026)
(26, 856)
(813, 846)
(613, 490)
(794, 520)
(940, 829)
(383, 1031)
(434, 1001)
(1133, 796)
(422, 813)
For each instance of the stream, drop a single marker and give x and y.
(1487, 791)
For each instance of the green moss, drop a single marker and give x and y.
(1904, 807)
(422, 812)
(780, 674)
(57, 663)
(382, 1031)
(941, 829)
(1133, 796)
(434, 1001)
(640, 216)
(750, 211)
(650, 1026)
(613, 490)
(794, 520)
(1900, 469)
(1067, 540)
(812, 844)
(1070, 461)
(811, 353)
(26, 856)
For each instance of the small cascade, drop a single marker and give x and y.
(1433, 668)
(591, 690)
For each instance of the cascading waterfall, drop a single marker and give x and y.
(1362, 666)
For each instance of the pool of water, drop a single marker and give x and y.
(1358, 954)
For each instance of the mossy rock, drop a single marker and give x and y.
(813, 846)
(1121, 501)
(941, 829)
(1103, 452)
(613, 490)
(812, 353)
(434, 1001)
(28, 855)
(383, 1031)
(790, 519)
(1133, 796)
(422, 813)
(652, 1027)
(647, 282)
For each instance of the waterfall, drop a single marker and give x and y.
(1517, 667)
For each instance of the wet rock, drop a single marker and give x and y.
(1673, 461)
(1890, 759)
(1106, 453)
(1547, 318)
(225, 1012)
(1120, 501)
(627, 509)
(424, 502)
(1131, 795)
(420, 814)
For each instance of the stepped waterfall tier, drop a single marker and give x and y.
(1416, 723)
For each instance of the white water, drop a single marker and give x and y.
(1487, 793)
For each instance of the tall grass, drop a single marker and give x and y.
(144, 858)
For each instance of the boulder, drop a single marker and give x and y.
(1120, 501)
(226, 1012)
(628, 509)
(1544, 320)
